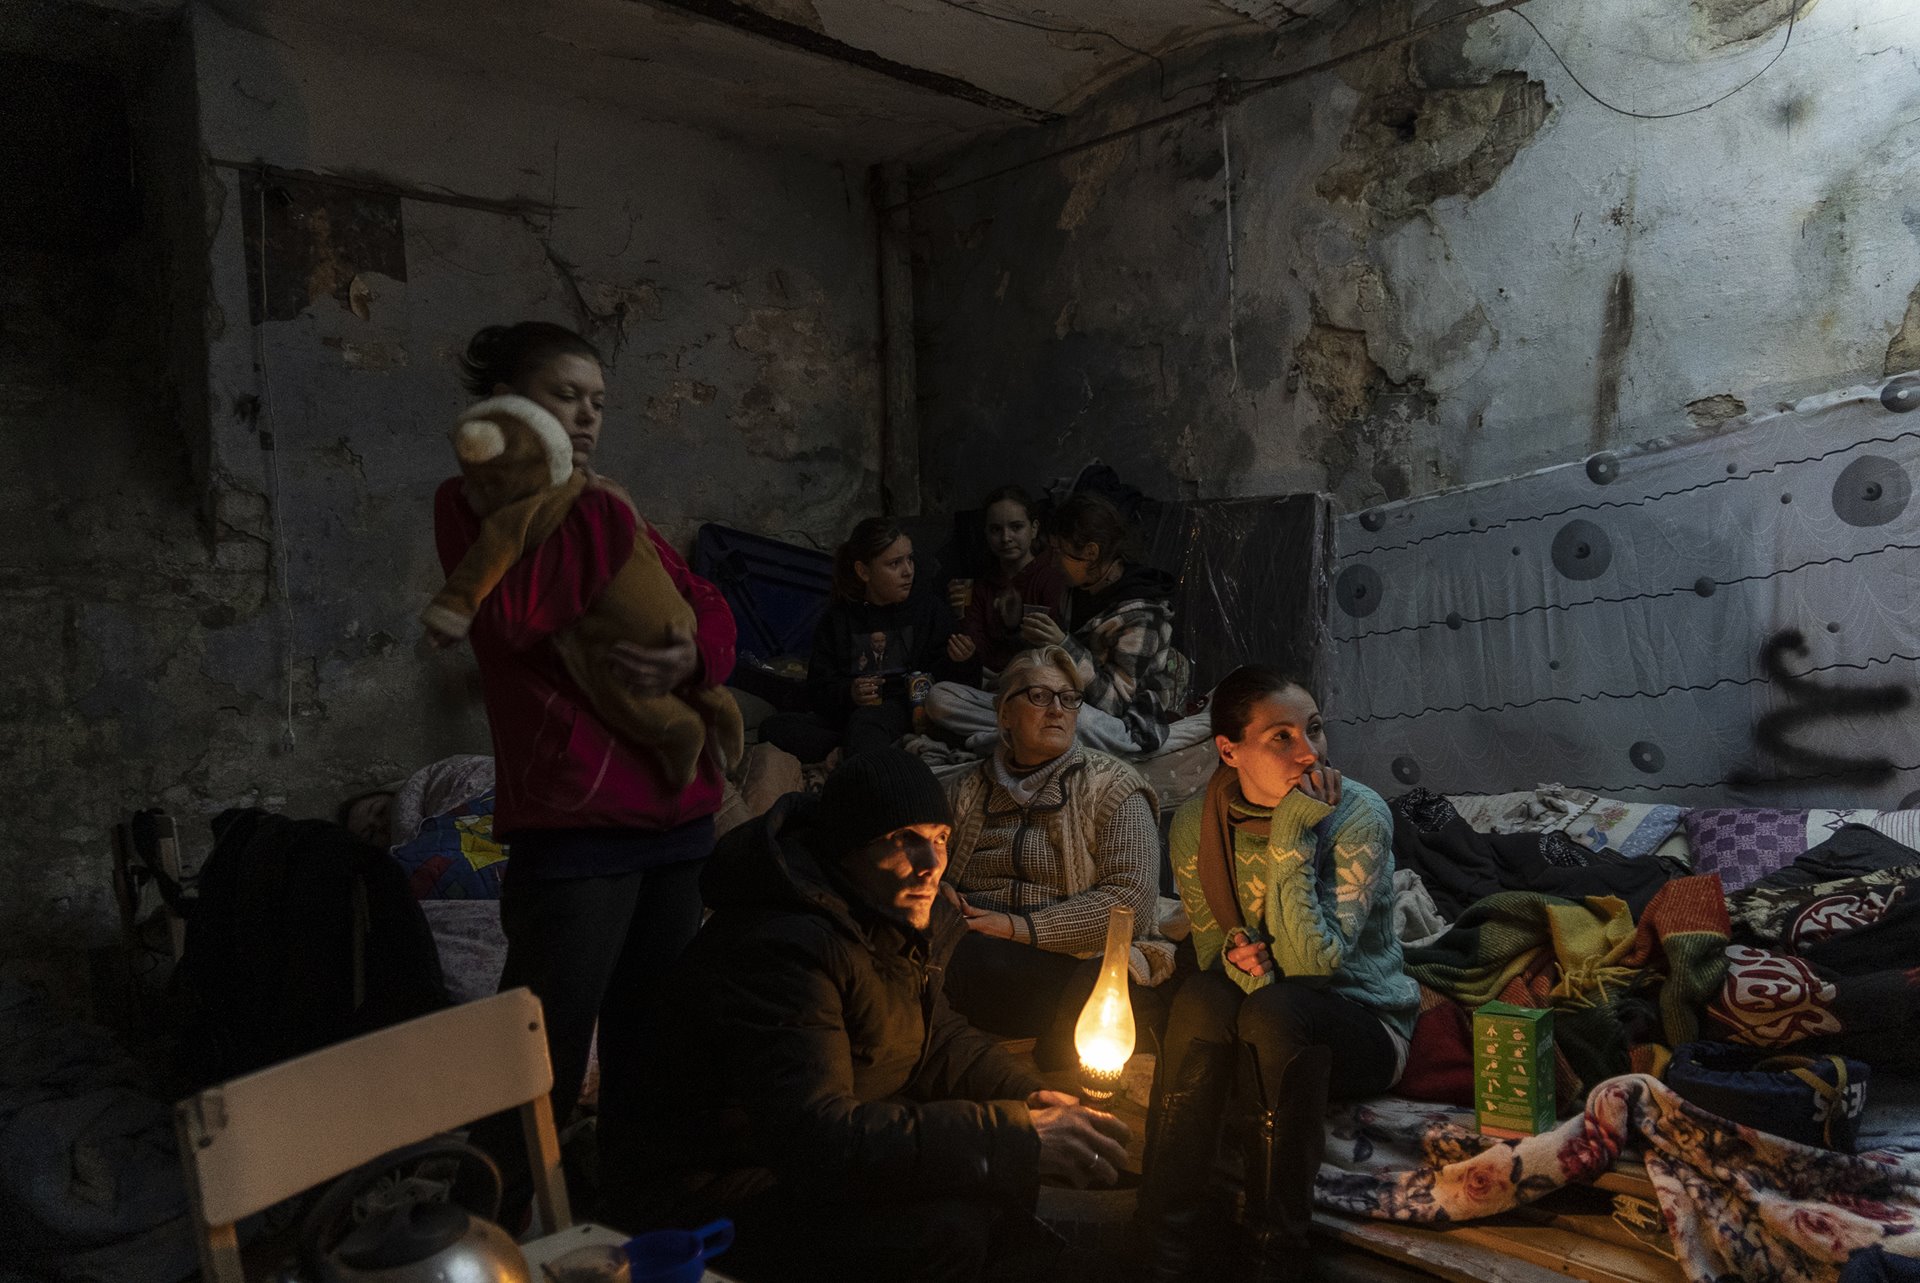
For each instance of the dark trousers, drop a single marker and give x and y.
(1277, 1023)
(778, 1239)
(1018, 991)
(810, 737)
(595, 951)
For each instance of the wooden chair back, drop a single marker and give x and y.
(251, 1142)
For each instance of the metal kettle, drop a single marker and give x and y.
(416, 1241)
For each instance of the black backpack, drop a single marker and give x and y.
(298, 936)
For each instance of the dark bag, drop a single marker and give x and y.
(299, 935)
(1815, 1100)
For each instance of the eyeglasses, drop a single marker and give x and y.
(1041, 696)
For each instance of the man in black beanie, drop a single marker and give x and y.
(818, 1089)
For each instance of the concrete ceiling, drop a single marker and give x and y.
(856, 80)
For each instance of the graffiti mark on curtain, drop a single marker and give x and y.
(1810, 702)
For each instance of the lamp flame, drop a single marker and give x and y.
(1104, 1034)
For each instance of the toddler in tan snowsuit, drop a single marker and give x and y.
(521, 481)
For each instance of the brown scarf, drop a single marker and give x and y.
(1216, 851)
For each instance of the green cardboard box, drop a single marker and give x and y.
(1513, 1069)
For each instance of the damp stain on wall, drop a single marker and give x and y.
(1609, 364)
(1508, 273)
(308, 239)
(1116, 333)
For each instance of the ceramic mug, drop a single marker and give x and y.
(678, 1256)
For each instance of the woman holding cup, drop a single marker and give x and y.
(1117, 624)
(1025, 580)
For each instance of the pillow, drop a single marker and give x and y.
(1744, 844)
(1674, 849)
(1596, 823)
(1547, 809)
(1902, 826)
(1631, 828)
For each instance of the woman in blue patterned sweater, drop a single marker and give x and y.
(1286, 872)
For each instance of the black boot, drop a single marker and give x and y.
(1285, 1143)
(1178, 1205)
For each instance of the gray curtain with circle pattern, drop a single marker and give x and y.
(1729, 620)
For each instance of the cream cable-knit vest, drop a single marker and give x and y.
(1092, 786)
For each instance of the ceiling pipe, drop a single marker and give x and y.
(746, 18)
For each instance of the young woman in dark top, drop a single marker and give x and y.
(881, 625)
(1025, 579)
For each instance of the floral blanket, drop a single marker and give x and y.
(1738, 1203)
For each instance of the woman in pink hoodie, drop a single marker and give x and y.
(603, 889)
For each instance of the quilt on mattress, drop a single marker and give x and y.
(454, 856)
(1737, 1202)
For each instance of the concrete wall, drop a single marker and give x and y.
(1450, 264)
(104, 573)
(732, 289)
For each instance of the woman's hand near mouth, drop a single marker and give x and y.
(1322, 784)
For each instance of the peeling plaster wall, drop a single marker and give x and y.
(1450, 265)
(733, 289)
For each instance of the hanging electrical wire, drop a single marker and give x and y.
(1793, 14)
(271, 445)
(1241, 89)
(1247, 87)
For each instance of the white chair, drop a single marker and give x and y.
(249, 1143)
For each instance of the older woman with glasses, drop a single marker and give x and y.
(1047, 838)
